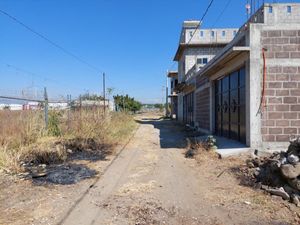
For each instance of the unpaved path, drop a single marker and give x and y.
(151, 182)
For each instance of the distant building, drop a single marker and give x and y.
(58, 106)
(32, 106)
(13, 107)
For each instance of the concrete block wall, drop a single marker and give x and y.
(278, 14)
(281, 118)
(202, 109)
(207, 37)
(190, 55)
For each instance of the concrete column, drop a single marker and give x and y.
(253, 88)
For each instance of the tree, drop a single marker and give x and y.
(126, 103)
(92, 97)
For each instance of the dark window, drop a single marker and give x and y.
(201, 33)
(223, 33)
(289, 9)
(270, 9)
(202, 60)
(212, 33)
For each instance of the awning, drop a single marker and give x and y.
(220, 61)
(184, 87)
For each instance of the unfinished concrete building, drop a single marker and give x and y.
(196, 48)
(249, 90)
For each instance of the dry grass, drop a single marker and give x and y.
(23, 137)
(200, 151)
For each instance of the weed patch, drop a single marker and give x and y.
(24, 140)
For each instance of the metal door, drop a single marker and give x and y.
(230, 106)
(188, 108)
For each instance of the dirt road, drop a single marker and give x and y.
(151, 182)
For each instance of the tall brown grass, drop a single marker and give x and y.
(23, 137)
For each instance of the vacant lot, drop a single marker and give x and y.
(149, 182)
(24, 141)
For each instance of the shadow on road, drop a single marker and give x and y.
(171, 133)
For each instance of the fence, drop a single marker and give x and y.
(70, 111)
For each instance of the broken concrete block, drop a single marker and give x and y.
(290, 171)
(293, 159)
(279, 192)
(290, 190)
(295, 183)
(295, 199)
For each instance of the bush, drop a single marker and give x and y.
(53, 124)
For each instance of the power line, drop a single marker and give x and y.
(201, 20)
(51, 42)
(222, 12)
(197, 27)
(56, 82)
(216, 21)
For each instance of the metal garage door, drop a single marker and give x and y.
(230, 106)
(188, 108)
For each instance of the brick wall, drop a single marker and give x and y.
(203, 109)
(201, 81)
(281, 118)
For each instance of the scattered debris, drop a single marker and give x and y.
(194, 147)
(279, 174)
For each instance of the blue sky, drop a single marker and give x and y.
(133, 41)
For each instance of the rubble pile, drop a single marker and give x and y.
(279, 174)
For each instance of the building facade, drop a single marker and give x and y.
(250, 90)
(196, 48)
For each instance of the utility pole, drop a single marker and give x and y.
(69, 109)
(46, 107)
(104, 90)
(167, 99)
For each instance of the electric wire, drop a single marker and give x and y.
(197, 27)
(67, 52)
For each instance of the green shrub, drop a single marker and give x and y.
(53, 124)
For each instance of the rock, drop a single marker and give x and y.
(290, 171)
(283, 161)
(295, 183)
(69, 151)
(250, 164)
(279, 192)
(293, 159)
(290, 190)
(256, 172)
(295, 199)
(37, 175)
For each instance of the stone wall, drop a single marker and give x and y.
(281, 117)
